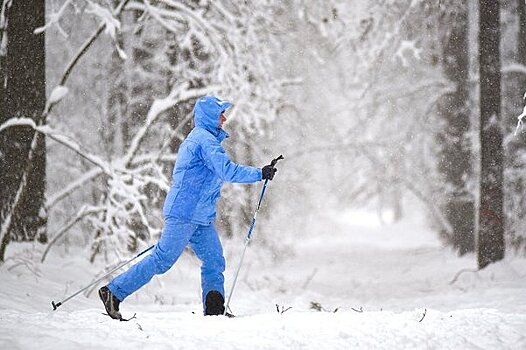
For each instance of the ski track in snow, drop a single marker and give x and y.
(465, 329)
(394, 273)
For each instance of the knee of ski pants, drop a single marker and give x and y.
(164, 260)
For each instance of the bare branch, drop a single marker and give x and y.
(174, 133)
(155, 13)
(57, 197)
(29, 264)
(434, 210)
(282, 309)
(84, 211)
(424, 315)
(309, 279)
(360, 310)
(84, 48)
(54, 19)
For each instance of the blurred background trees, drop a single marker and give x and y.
(375, 105)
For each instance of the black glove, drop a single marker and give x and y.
(268, 172)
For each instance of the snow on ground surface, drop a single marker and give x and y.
(391, 286)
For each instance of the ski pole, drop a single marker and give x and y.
(55, 306)
(249, 235)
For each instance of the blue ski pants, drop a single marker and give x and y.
(203, 240)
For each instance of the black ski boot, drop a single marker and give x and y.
(111, 303)
(215, 304)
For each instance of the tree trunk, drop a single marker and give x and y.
(22, 151)
(490, 246)
(455, 157)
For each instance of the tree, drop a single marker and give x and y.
(172, 52)
(454, 156)
(393, 83)
(22, 150)
(490, 246)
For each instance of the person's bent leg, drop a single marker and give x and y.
(207, 246)
(173, 240)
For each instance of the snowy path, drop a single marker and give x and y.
(394, 273)
(467, 329)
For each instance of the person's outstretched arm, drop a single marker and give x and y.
(217, 160)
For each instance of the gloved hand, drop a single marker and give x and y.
(268, 172)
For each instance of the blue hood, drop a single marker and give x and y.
(207, 110)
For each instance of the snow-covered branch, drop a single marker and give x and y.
(520, 118)
(514, 68)
(103, 167)
(222, 49)
(179, 94)
(3, 27)
(73, 186)
(18, 122)
(237, 42)
(62, 139)
(84, 48)
(54, 19)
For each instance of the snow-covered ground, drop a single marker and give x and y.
(377, 286)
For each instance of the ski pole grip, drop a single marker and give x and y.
(274, 161)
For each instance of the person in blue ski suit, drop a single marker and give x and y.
(201, 168)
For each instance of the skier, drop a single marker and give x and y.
(189, 211)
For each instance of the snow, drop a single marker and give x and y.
(408, 47)
(413, 293)
(514, 68)
(111, 24)
(58, 94)
(520, 118)
(18, 122)
(54, 19)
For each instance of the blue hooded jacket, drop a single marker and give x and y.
(202, 166)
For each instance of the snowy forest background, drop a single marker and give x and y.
(375, 105)
(403, 184)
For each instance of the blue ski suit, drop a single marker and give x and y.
(190, 207)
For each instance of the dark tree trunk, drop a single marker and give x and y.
(491, 217)
(22, 151)
(455, 157)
